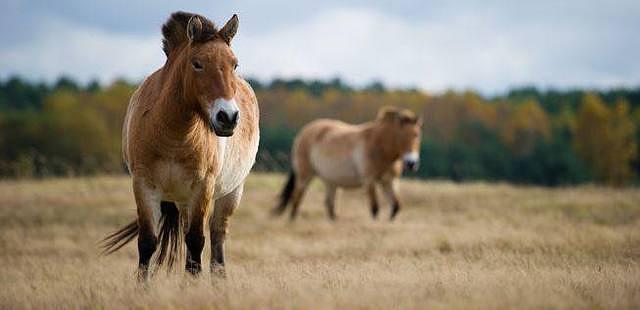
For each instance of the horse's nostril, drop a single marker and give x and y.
(222, 117)
(227, 120)
(411, 165)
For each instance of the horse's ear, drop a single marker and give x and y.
(420, 121)
(229, 30)
(387, 114)
(194, 28)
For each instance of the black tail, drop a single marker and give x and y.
(120, 238)
(170, 236)
(285, 195)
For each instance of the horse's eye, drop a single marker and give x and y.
(235, 66)
(197, 65)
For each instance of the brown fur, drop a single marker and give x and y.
(171, 150)
(345, 155)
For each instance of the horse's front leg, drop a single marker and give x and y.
(148, 207)
(194, 238)
(218, 227)
(389, 189)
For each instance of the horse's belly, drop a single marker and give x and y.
(340, 179)
(175, 183)
(338, 169)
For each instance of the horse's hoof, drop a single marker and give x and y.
(143, 276)
(193, 268)
(218, 271)
(393, 216)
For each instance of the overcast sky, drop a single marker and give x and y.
(433, 45)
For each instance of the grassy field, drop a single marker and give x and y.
(452, 246)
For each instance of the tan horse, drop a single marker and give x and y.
(189, 139)
(348, 156)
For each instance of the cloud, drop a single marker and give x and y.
(468, 50)
(61, 48)
(486, 47)
(361, 45)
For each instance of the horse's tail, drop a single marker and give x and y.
(170, 240)
(285, 195)
(120, 238)
(170, 235)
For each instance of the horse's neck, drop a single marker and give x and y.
(173, 114)
(383, 142)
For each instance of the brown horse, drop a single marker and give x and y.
(189, 139)
(348, 156)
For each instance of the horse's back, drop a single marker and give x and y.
(140, 102)
(323, 129)
(133, 104)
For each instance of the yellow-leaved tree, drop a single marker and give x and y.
(604, 139)
(525, 126)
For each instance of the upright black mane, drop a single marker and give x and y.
(174, 31)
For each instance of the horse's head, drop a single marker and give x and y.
(203, 57)
(404, 129)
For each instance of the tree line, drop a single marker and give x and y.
(527, 135)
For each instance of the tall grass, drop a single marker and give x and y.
(453, 246)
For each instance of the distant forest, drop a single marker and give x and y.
(545, 137)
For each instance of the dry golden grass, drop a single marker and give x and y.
(453, 246)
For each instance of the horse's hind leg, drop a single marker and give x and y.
(330, 200)
(298, 193)
(148, 206)
(218, 227)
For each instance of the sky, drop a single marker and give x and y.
(489, 46)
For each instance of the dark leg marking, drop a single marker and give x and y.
(147, 244)
(374, 209)
(373, 199)
(195, 244)
(394, 210)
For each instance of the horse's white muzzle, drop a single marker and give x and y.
(224, 117)
(411, 161)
